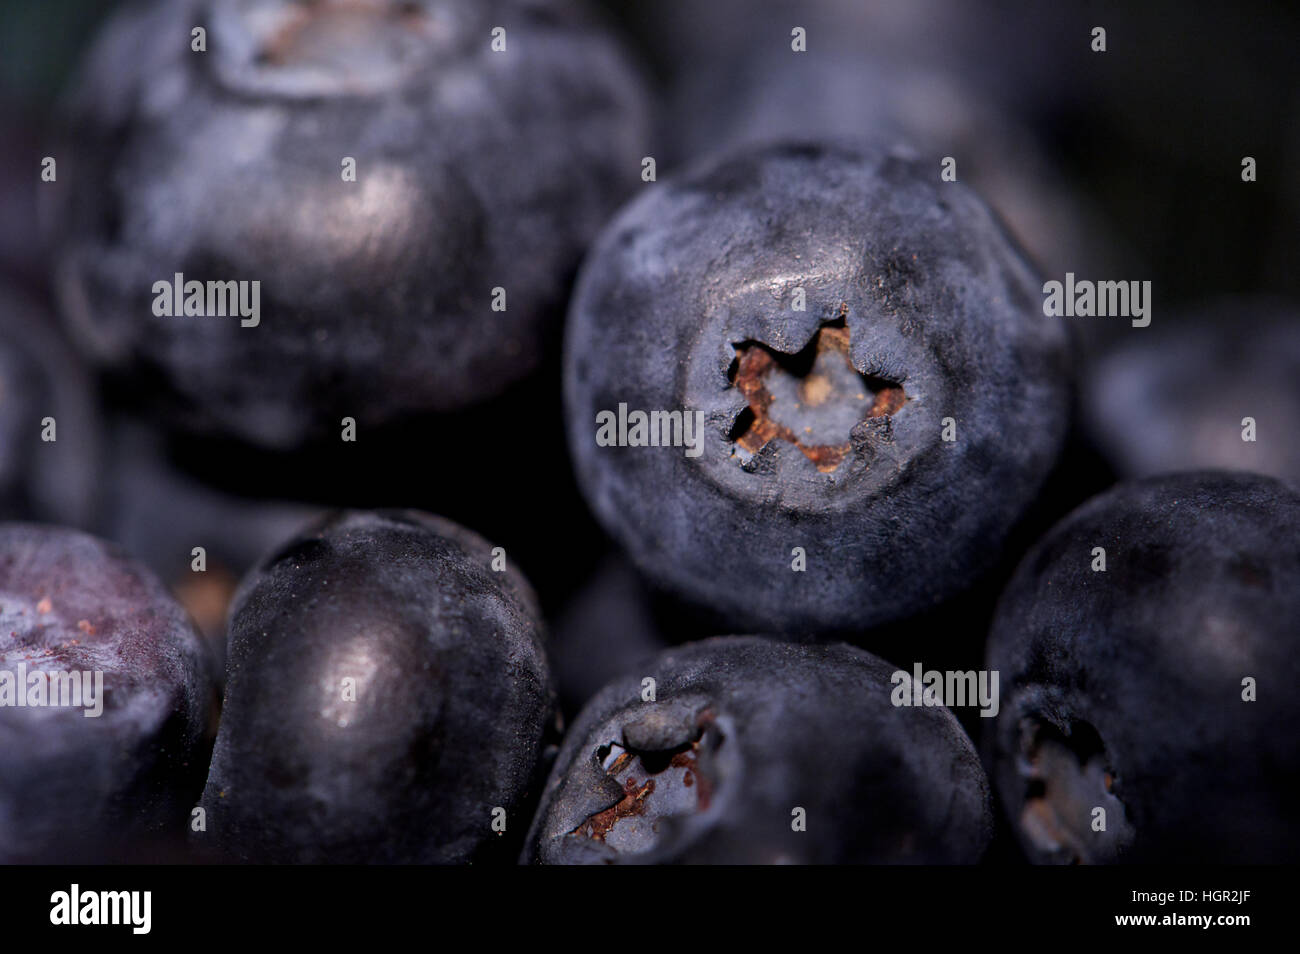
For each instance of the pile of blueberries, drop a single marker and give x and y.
(715, 336)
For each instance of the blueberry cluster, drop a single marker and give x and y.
(886, 495)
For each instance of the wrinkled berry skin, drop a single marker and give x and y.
(743, 731)
(73, 788)
(943, 320)
(41, 378)
(452, 699)
(1123, 689)
(475, 170)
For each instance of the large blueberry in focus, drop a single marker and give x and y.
(387, 700)
(866, 352)
(1160, 689)
(755, 751)
(84, 629)
(476, 168)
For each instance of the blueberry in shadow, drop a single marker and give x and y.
(810, 386)
(106, 701)
(609, 628)
(888, 70)
(387, 700)
(1212, 387)
(1147, 652)
(198, 538)
(410, 190)
(50, 444)
(751, 751)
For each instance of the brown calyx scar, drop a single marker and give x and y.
(812, 399)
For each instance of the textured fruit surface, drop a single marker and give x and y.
(78, 788)
(475, 170)
(823, 428)
(742, 733)
(386, 692)
(1123, 689)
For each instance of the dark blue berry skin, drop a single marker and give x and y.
(77, 789)
(453, 699)
(40, 377)
(1123, 689)
(943, 320)
(475, 170)
(743, 731)
(1173, 396)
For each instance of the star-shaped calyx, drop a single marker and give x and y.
(812, 399)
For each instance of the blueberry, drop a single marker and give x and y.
(1125, 689)
(387, 699)
(836, 92)
(608, 629)
(158, 512)
(747, 741)
(19, 255)
(1177, 395)
(475, 170)
(75, 786)
(900, 70)
(828, 428)
(49, 431)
